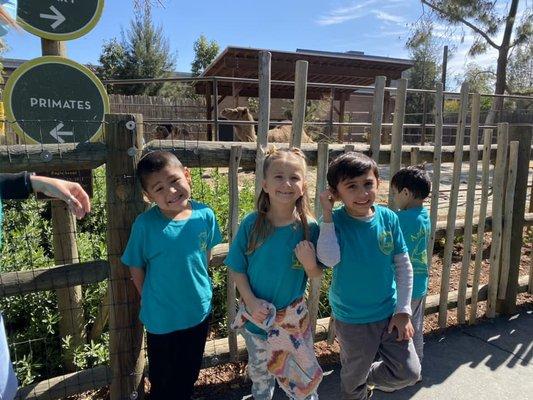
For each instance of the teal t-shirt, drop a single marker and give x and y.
(274, 272)
(416, 228)
(177, 289)
(363, 287)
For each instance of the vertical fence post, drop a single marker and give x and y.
(215, 107)
(508, 220)
(315, 283)
(377, 117)
(452, 212)
(415, 155)
(435, 183)
(487, 141)
(69, 300)
(523, 134)
(469, 214)
(263, 116)
(497, 211)
(124, 203)
(233, 224)
(397, 131)
(300, 92)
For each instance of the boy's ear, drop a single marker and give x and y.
(147, 198)
(188, 175)
(405, 192)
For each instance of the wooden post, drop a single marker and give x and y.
(497, 210)
(215, 108)
(415, 155)
(124, 203)
(452, 213)
(397, 131)
(342, 108)
(231, 295)
(69, 300)
(330, 113)
(208, 110)
(523, 134)
(263, 116)
(469, 214)
(377, 117)
(298, 113)
(508, 220)
(487, 141)
(435, 184)
(321, 184)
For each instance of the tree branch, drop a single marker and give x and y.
(464, 21)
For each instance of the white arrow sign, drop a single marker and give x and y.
(56, 133)
(57, 17)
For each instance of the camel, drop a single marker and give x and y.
(169, 132)
(246, 133)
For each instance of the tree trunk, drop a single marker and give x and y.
(501, 67)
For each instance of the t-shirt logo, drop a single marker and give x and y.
(296, 264)
(386, 244)
(202, 239)
(419, 255)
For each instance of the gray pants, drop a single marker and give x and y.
(359, 344)
(418, 323)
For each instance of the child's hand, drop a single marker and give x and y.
(327, 200)
(258, 309)
(402, 322)
(305, 253)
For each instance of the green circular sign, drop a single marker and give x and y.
(55, 100)
(59, 19)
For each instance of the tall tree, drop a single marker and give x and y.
(485, 18)
(423, 50)
(205, 52)
(143, 53)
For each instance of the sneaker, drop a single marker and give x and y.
(369, 391)
(383, 389)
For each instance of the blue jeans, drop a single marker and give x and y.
(8, 380)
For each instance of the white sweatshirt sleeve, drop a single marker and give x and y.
(328, 249)
(404, 283)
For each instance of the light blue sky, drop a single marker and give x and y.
(376, 27)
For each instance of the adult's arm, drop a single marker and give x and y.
(15, 186)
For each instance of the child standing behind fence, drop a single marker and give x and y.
(168, 253)
(411, 186)
(270, 259)
(370, 292)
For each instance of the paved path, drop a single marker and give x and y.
(490, 361)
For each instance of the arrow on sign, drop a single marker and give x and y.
(56, 133)
(57, 17)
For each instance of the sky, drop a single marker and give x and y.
(376, 27)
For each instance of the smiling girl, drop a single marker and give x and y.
(270, 259)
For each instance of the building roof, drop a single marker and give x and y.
(351, 68)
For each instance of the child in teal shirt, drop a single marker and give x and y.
(270, 259)
(410, 187)
(168, 254)
(370, 293)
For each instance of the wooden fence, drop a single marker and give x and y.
(123, 146)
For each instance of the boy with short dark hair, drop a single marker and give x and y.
(411, 186)
(370, 293)
(168, 254)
